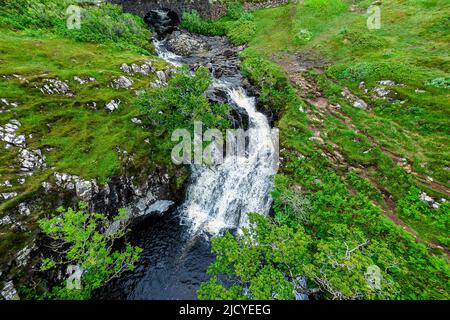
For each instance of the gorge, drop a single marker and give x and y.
(176, 244)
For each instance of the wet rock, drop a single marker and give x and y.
(162, 20)
(9, 292)
(186, 44)
(121, 83)
(159, 207)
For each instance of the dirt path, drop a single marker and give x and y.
(309, 92)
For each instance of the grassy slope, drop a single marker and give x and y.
(75, 137)
(412, 49)
(412, 44)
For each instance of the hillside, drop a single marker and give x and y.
(363, 185)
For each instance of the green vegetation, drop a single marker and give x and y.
(336, 234)
(270, 259)
(238, 24)
(181, 103)
(75, 132)
(340, 219)
(77, 238)
(347, 199)
(100, 24)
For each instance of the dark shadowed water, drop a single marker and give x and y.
(172, 265)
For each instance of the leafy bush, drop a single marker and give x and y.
(303, 36)
(271, 259)
(241, 32)
(182, 102)
(237, 12)
(366, 71)
(238, 25)
(86, 240)
(276, 92)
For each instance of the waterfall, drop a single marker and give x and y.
(220, 197)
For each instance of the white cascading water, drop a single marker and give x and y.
(221, 196)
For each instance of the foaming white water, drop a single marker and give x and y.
(220, 197)
(165, 54)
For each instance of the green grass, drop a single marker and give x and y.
(411, 48)
(83, 139)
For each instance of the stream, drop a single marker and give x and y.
(177, 244)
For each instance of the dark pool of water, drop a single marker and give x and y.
(172, 265)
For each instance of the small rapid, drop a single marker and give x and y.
(220, 197)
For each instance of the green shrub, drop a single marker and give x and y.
(104, 24)
(182, 102)
(86, 240)
(241, 32)
(303, 36)
(367, 71)
(238, 25)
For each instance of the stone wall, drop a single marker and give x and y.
(206, 8)
(251, 6)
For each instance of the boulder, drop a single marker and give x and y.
(185, 44)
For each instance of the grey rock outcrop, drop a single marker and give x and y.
(121, 82)
(56, 86)
(185, 44)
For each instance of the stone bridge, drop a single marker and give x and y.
(208, 9)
